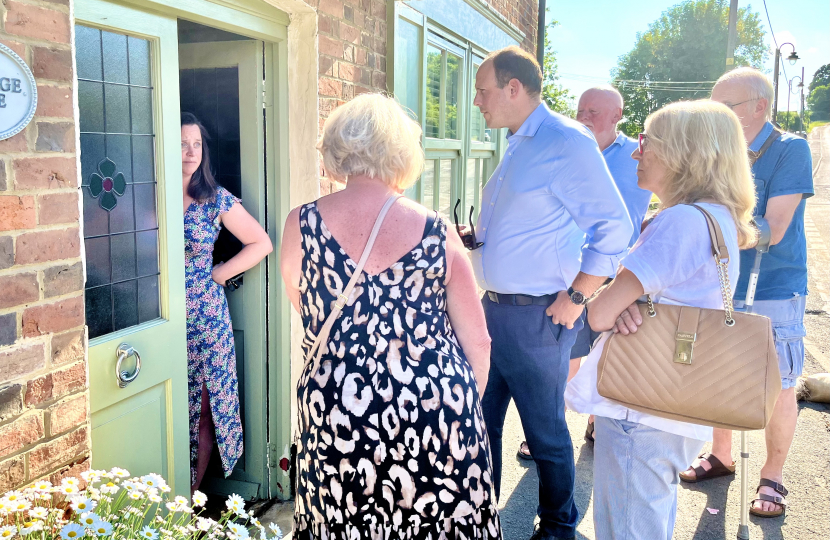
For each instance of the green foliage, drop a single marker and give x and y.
(815, 124)
(792, 121)
(557, 97)
(819, 102)
(820, 78)
(686, 44)
(433, 114)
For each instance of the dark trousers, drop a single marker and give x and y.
(529, 362)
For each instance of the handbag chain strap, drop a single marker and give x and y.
(721, 255)
(322, 339)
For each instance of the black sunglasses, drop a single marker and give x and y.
(469, 240)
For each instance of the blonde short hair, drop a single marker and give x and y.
(702, 144)
(758, 84)
(372, 135)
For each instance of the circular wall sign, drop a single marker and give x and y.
(18, 93)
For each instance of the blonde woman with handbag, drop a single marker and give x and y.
(692, 153)
(391, 439)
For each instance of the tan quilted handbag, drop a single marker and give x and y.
(712, 367)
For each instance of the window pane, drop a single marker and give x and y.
(116, 108)
(121, 217)
(114, 47)
(125, 304)
(433, 113)
(429, 184)
(408, 66)
(123, 256)
(470, 184)
(445, 193)
(476, 119)
(451, 96)
(97, 260)
(91, 103)
(88, 53)
(139, 61)
(98, 310)
(148, 299)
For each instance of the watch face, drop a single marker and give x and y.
(577, 298)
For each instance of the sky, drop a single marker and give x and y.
(592, 35)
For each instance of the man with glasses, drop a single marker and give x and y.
(600, 109)
(553, 228)
(782, 167)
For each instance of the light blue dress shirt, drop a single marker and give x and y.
(624, 172)
(550, 194)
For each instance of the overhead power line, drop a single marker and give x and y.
(772, 33)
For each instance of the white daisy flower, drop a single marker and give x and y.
(118, 472)
(67, 489)
(70, 481)
(199, 498)
(82, 504)
(42, 485)
(102, 528)
(136, 495)
(204, 524)
(148, 533)
(165, 488)
(152, 480)
(39, 512)
(154, 498)
(276, 530)
(13, 496)
(8, 531)
(110, 488)
(71, 531)
(20, 505)
(238, 531)
(180, 500)
(235, 503)
(88, 519)
(29, 527)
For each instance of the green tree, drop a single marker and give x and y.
(820, 78)
(819, 103)
(792, 121)
(687, 44)
(557, 97)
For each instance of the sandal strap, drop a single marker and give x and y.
(778, 488)
(781, 501)
(713, 461)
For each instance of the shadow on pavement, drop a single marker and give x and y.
(716, 491)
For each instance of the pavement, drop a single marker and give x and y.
(806, 475)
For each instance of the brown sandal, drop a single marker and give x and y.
(780, 501)
(524, 455)
(701, 475)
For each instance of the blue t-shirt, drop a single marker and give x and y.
(623, 169)
(786, 168)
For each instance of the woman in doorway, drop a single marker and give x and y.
(391, 442)
(213, 395)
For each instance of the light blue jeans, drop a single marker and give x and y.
(636, 470)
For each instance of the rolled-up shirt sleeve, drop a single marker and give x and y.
(591, 197)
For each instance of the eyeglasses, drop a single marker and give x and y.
(641, 142)
(733, 105)
(469, 240)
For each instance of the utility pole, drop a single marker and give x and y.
(803, 127)
(733, 35)
(775, 84)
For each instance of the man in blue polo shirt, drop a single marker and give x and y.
(782, 167)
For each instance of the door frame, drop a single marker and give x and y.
(289, 32)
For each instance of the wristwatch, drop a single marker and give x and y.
(577, 297)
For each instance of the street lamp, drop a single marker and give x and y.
(799, 85)
(792, 59)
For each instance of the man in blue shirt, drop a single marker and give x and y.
(782, 167)
(551, 189)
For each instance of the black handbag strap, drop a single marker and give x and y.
(774, 136)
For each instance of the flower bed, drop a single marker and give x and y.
(116, 505)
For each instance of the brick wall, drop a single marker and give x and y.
(522, 14)
(44, 420)
(352, 48)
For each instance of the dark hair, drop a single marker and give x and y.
(202, 184)
(515, 63)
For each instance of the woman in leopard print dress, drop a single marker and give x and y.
(391, 439)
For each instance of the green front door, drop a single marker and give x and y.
(127, 66)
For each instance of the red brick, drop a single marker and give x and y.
(362, 90)
(72, 471)
(327, 66)
(348, 53)
(379, 8)
(12, 473)
(57, 208)
(20, 433)
(379, 80)
(349, 33)
(16, 46)
(43, 246)
(361, 56)
(55, 137)
(38, 390)
(54, 64)
(349, 72)
(37, 22)
(330, 46)
(18, 289)
(324, 24)
(332, 7)
(58, 452)
(68, 347)
(67, 415)
(66, 381)
(6, 252)
(64, 279)
(11, 401)
(16, 213)
(54, 101)
(330, 87)
(18, 143)
(45, 173)
(55, 317)
(348, 91)
(22, 360)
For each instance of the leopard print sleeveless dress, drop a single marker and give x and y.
(391, 440)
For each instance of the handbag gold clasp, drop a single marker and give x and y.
(683, 348)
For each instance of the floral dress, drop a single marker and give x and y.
(211, 357)
(391, 442)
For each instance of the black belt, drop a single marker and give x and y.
(521, 299)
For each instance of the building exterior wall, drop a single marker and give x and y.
(523, 14)
(44, 420)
